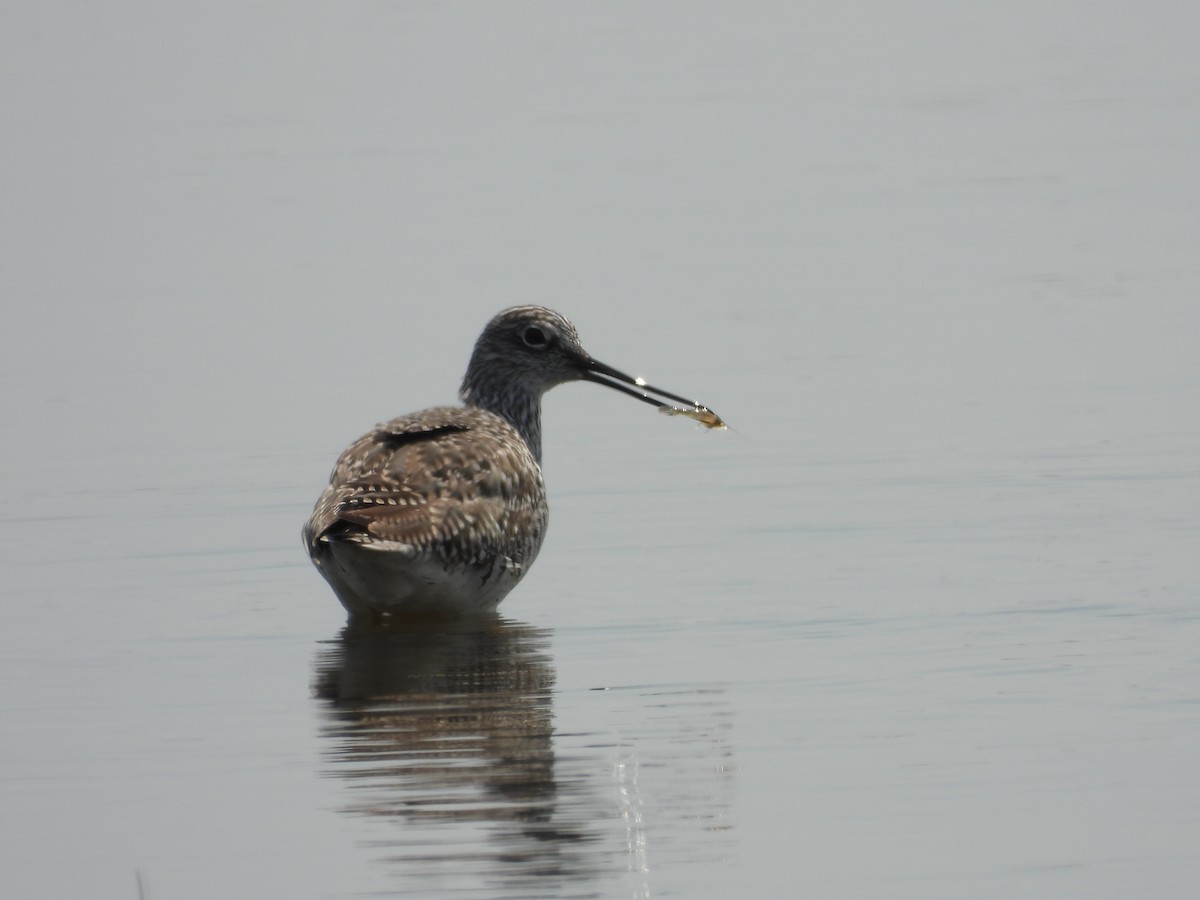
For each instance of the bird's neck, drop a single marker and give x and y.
(520, 408)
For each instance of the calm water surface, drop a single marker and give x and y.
(924, 624)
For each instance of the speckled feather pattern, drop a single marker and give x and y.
(457, 483)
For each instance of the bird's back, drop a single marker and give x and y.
(441, 508)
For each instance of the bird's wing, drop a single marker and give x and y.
(438, 478)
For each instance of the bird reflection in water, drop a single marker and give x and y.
(439, 725)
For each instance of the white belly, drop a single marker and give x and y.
(370, 581)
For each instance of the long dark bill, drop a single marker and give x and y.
(598, 372)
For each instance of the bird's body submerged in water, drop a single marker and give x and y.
(444, 510)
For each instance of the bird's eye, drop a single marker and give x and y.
(535, 337)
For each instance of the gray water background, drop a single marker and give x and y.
(924, 624)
